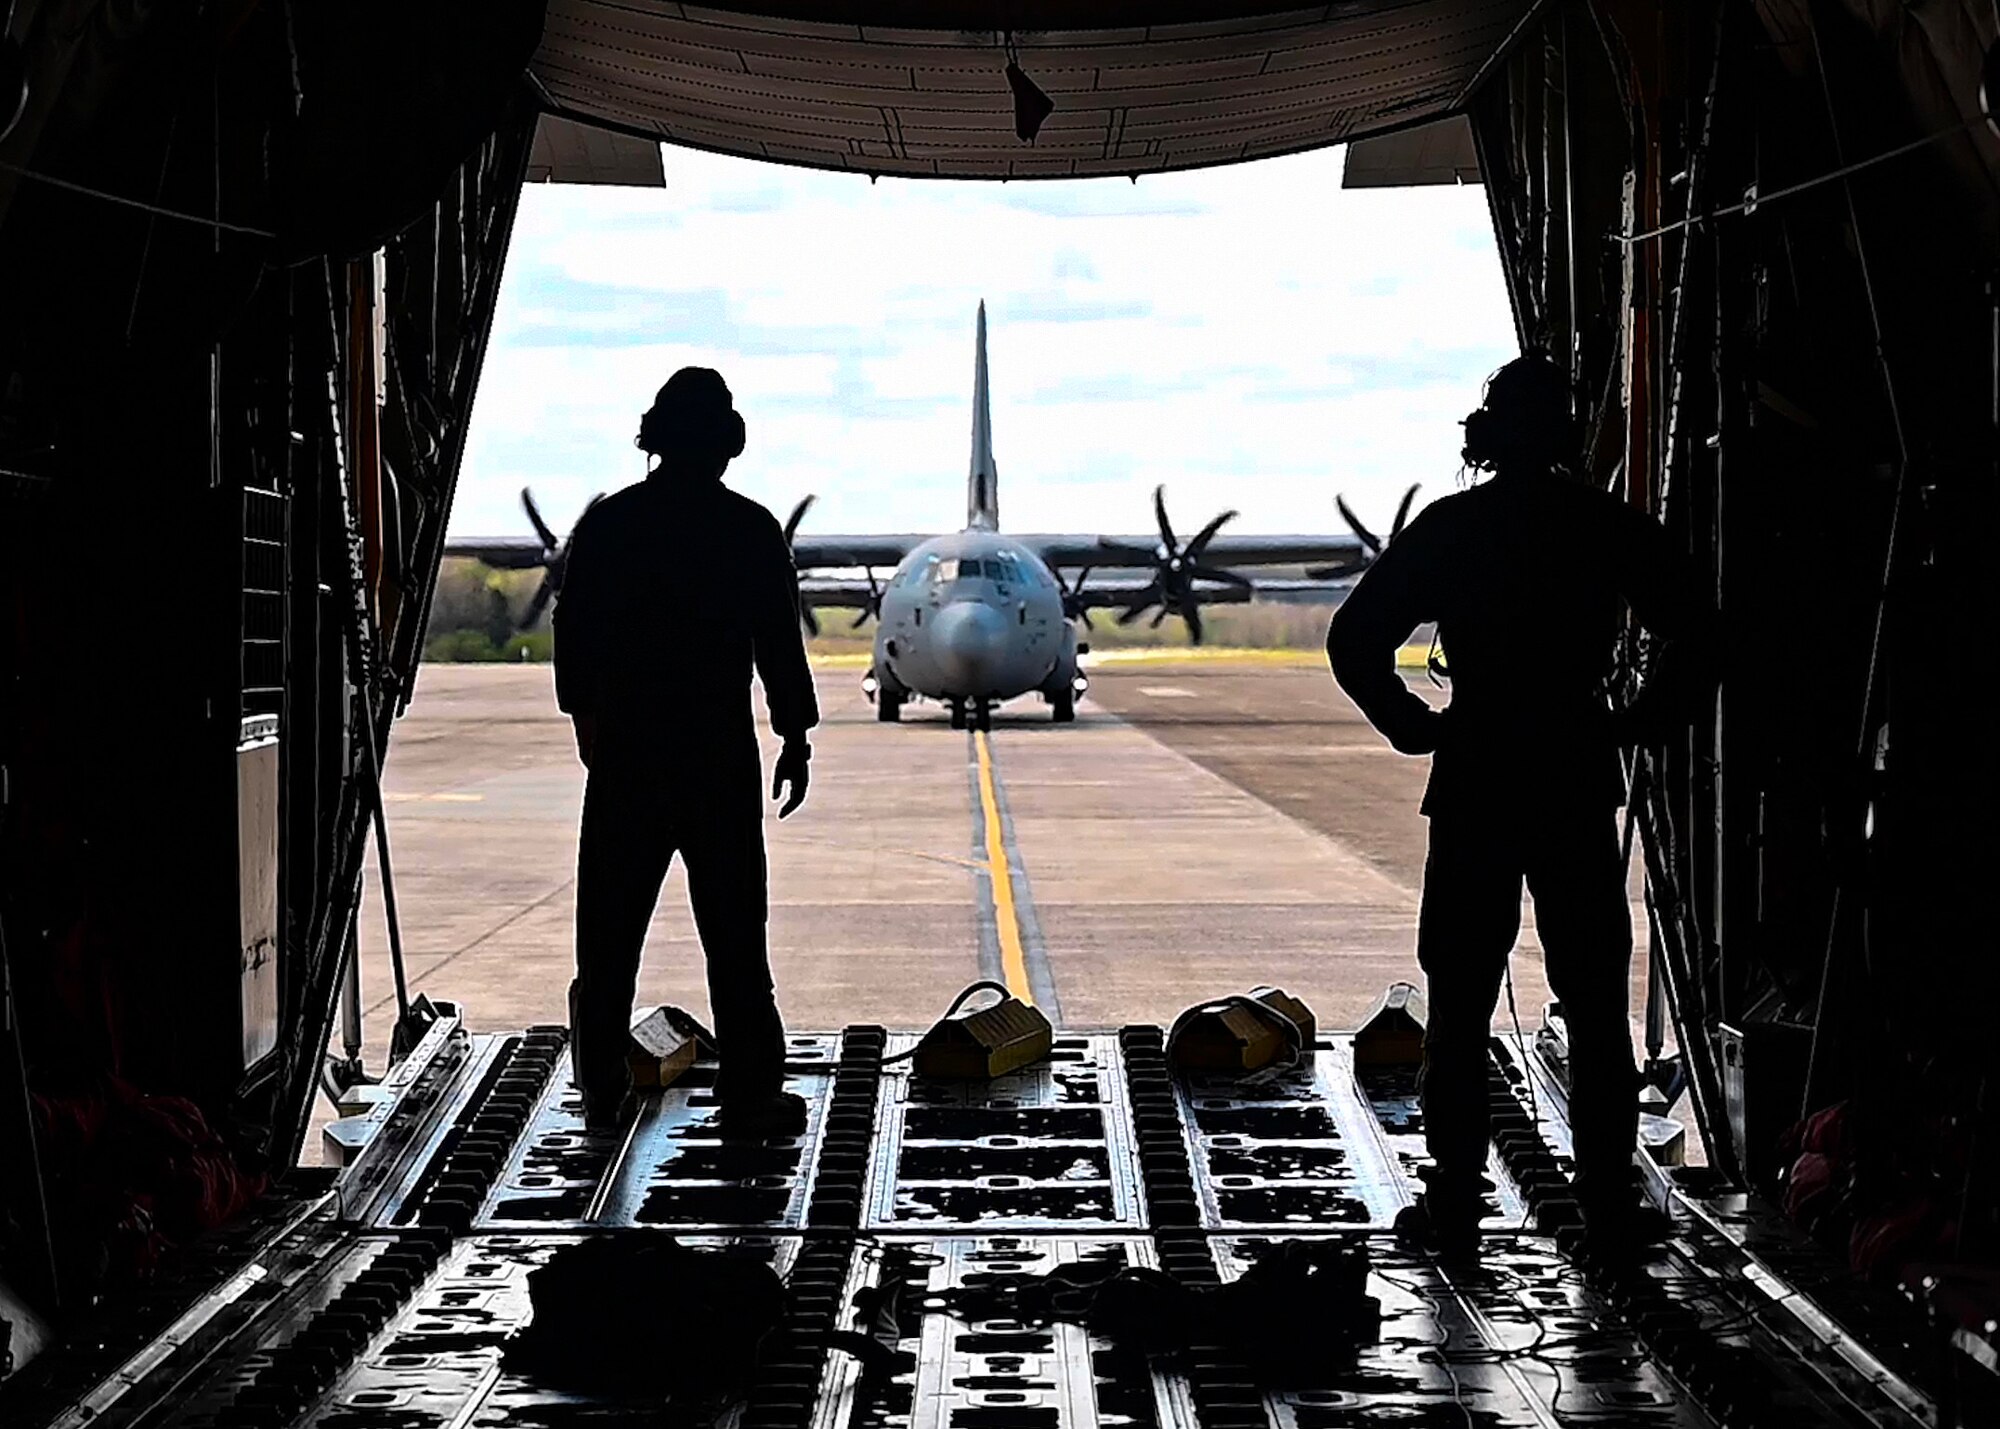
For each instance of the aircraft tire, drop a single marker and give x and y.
(1062, 706)
(958, 720)
(888, 707)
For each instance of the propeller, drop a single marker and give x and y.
(1074, 606)
(555, 557)
(807, 615)
(1176, 568)
(872, 610)
(1373, 543)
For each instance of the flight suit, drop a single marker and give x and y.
(1523, 575)
(676, 590)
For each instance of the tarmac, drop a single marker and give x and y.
(1205, 826)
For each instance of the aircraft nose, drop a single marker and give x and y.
(970, 638)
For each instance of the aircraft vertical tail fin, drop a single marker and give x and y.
(982, 488)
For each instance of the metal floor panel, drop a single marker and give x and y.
(438, 1364)
(1047, 1147)
(1312, 1148)
(1519, 1340)
(972, 1354)
(673, 1170)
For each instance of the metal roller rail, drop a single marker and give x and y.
(465, 1167)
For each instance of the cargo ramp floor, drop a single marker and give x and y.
(385, 1295)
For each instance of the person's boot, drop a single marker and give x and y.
(1444, 1227)
(773, 1116)
(1624, 1233)
(605, 1115)
(1445, 1219)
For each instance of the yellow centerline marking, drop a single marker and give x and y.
(1013, 957)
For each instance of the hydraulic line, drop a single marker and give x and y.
(361, 653)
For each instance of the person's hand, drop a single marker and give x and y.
(794, 767)
(1420, 734)
(586, 736)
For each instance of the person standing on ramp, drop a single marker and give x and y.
(1523, 575)
(675, 590)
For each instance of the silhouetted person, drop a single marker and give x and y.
(676, 589)
(1523, 575)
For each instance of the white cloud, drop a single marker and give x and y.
(1253, 337)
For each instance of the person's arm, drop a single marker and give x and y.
(1659, 583)
(1385, 606)
(778, 645)
(575, 624)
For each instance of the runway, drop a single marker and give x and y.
(1204, 826)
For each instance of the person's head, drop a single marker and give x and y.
(692, 426)
(1523, 423)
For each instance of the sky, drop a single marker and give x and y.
(1253, 337)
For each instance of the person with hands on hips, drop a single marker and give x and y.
(1526, 576)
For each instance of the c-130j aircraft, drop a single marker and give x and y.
(977, 617)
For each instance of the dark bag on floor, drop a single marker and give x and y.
(639, 1315)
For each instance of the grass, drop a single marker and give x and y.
(477, 611)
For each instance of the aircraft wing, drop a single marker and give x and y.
(1107, 595)
(824, 591)
(1111, 552)
(506, 553)
(849, 552)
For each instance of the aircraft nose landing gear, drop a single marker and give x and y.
(971, 714)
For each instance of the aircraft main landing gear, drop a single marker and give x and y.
(1062, 706)
(888, 705)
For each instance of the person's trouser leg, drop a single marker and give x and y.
(622, 858)
(730, 897)
(1471, 915)
(1577, 878)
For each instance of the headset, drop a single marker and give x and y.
(1524, 415)
(695, 420)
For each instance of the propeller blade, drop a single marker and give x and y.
(1207, 534)
(798, 515)
(1139, 604)
(1402, 512)
(874, 605)
(1354, 524)
(1158, 616)
(1072, 597)
(1192, 615)
(544, 593)
(542, 531)
(1224, 576)
(1166, 527)
(810, 619)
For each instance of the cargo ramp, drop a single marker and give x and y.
(385, 1294)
